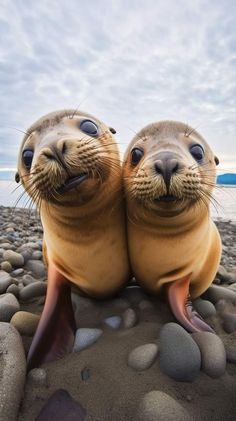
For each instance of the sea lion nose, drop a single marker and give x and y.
(166, 166)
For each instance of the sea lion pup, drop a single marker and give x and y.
(69, 164)
(174, 246)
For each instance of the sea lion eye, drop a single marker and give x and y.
(89, 127)
(28, 158)
(136, 155)
(197, 152)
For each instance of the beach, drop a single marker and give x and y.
(120, 373)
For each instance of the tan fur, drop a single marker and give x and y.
(168, 241)
(84, 228)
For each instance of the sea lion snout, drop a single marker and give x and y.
(166, 165)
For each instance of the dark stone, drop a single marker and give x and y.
(61, 407)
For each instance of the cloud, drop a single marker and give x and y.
(129, 63)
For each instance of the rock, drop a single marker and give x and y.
(129, 318)
(60, 407)
(220, 305)
(114, 322)
(13, 289)
(17, 272)
(13, 369)
(26, 323)
(16, 259)
(120, 303)
(158, 406)
(37, 268)
(6, 266)
(142, 357)
(27, 254)
(8, 306)
(229, 322)
(134, 294)
(33, 290)
(145, 305)
(212, 352)
(30, 245)
(180, 357)
(5, 281)
(216, 293)
(37, 255)
(231, 353)
(37, 377)
(28, 279)
(85, 337)
(222, 274)
(7, 246)
(81, 303)
(204, 308)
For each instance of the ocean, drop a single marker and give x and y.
(225, 197)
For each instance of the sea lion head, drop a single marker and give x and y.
(67, 157)
(169, 168)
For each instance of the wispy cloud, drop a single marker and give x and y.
(128, 62)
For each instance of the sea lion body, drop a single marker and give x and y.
(173, 243)
(69, 164)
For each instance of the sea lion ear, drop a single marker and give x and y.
(17, 177)
(113, 131)
(216, 160)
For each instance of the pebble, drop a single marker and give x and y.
(216, 293)
(180, 356)
(145, 305)
(37, 377)
(8, 306)
(142, 357)
(30, 245)
(16, 259)
(5, 281)
(133, 294)
(13, 369)
(25, 322)
(6, 266)
(129, 318)
(85, 337)
(204, 308)
(212, 352)
(7, 246)
(61, 406)
(220, 305)
(114, 322)
(157, 405)
(33, 290)
(37, 268)
(37, 255)
(121, 303)
(81, 303)
(27, 254)
(17, 272)
(222, 274)
(229, 322)
(13, 289)
(231, 353)
(28, 279)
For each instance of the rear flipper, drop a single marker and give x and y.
(182, 308)
(54, 336)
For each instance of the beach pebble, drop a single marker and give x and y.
(229, 322)
(7, 246)
(129, 318)
(81, 303)
(5, 281)
(8, 306)
(120, 303)
(220, 305)
(27, 254)
(13, 369)
(17, 272)
(37, 268)
(145, 305)
(114, 322)
(6, 266)
(204, 308)
(33, 290)
(13, 289)
(85, 337)
(158, 406)
(26, 323)
(30, 245)
(37, 377)
(180, 357)
(231, 353)
(142, 357)
(222, 274)
(212, 352)
(61, 406)
(37, 255)
(16, 259)
(28, 279)
(216, 293)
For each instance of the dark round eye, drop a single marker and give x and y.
(89, 127)
(197, 152)
(27, 156)
(136, 155)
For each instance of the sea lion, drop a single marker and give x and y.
(174, 247)
(69, 164)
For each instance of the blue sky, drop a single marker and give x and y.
(127, 62)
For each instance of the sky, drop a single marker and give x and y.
(130, 63)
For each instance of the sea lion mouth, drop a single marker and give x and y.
(167, 198)
(72, 182)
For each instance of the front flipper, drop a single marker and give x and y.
(54, 336)
(182, 308)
